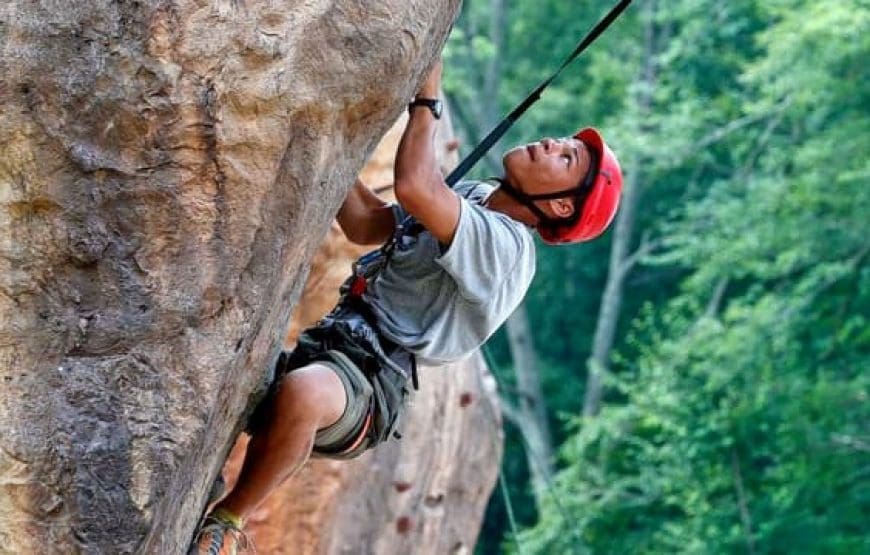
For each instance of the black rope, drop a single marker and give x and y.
(479, 151)
(502, 482)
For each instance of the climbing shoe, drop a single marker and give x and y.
(221, 534)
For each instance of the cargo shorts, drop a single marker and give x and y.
(375, 374)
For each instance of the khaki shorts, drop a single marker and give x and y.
(347, 437)
(374, 378)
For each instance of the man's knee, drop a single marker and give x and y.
(312, 392)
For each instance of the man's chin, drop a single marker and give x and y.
(517, 156)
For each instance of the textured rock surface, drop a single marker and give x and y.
(423, 495)
(166, 171)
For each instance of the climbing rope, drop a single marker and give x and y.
(479, 151)
(507, 122)
(502, 483)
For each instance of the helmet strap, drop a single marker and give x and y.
(528, 202)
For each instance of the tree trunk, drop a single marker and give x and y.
(620, 256)
(166, 171)
(531, 414)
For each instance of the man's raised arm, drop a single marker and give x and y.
(420, 187)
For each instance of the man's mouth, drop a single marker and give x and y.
(531, 150)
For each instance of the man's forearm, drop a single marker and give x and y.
(420, 187)
(416, 168)
(364, 218)
(415, 159)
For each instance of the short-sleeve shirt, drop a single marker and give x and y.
(443, 303)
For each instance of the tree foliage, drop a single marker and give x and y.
(743, 424)
(737, 419)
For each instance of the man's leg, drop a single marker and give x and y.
(308, 399)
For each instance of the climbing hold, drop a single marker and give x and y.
(403, 525)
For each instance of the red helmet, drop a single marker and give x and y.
(598, 194)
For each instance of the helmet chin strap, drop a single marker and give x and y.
(578, 193)
(528, 202)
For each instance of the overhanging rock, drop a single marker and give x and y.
(166, 171)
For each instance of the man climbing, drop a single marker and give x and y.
(445, 280)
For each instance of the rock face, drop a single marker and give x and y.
(425, 494)
(166, 172)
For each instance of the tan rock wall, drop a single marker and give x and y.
(167, 170)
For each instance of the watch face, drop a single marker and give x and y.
(433, 104)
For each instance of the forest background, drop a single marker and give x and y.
(696, 380)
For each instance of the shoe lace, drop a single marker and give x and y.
(243, 540)
(219, 529)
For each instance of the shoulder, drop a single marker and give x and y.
(502, 225)
(474, 191)
(486, 238)
(473, 196)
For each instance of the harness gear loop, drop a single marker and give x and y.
(365, 269)
(369, 265)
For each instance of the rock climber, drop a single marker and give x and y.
(434, 294)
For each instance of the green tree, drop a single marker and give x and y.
(741, 421)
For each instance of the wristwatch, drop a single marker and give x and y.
(434, 105)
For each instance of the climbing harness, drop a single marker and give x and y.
(478, 153)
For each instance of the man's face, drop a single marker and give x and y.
(547, 166)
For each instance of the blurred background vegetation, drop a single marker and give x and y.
(696, 380)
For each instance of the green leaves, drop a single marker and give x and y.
(738, 416)
(740, 419)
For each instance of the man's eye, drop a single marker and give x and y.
(567, 158)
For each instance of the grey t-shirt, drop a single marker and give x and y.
(443, 305)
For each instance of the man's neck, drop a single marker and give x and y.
(499, 201)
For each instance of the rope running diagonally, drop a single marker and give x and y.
(501, 478)
(479, 151)
(507, 122)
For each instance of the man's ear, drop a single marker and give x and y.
(562, 207)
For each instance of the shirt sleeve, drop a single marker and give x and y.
(463, 188)
(489, 250)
